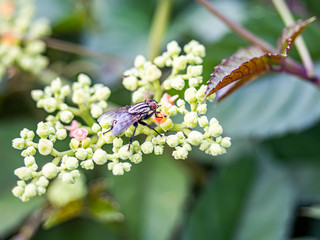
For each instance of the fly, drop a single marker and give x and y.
(124, 117)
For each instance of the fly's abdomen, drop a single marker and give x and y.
(139, 108)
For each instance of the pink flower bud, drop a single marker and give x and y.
(80, 133)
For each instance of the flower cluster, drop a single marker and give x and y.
(20, 43)
(88, 138)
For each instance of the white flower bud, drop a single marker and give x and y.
(80, 96)
(203, 121)
(67, 178)
(84, 79)
(126, 166)
(180, 135)
(204, 145)
(213, 121)
(195, 138)
(180, 153)
(189, 46)
(50, 104)
(23, 173)
(159, 61)
(18, 143)
(137, 96)
(180, 63)
(215, 130)
(190, 95)
(139, 61)
(30, 151)
(136, 158)
(72, 163)
(41, 190)
(40, 28)
(102, 92)
(29, 161)
(45, 146)
(187, 146)
(42, 129)
(124, 153)
(173, 110)
(177, 83)
(30, 135)
(117, 142)
(96, 111)
(193, 82)
(181, 103)
(17, 191)
(100, 157)
(37, 95)
(158, 150)
(216, 149)
(211, 97)
(167, 84)
(147, 147)
(61, 134)
(43, 182)
(173, 48)
(23, 133)
(88, 164)
(65, 90)
(130, 83)
(81, 154)
(95, 127)
(161, 140)
(75, 173)
(103, 104)
(152, 73)
(74, 144)
(111, 165)
(172, 140)
(30, 190)
(225, 142)
(202, 108)
(218, 139)
(199, 50)
(117, 169)
(194, 71)
(56, 85)
(49, 170)
(191, 119)
(201, 92)
(66, 116)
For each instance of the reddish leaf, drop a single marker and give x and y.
(245, 65)
(290, 33)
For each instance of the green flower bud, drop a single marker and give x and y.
(65, 90)
(17, 191)
(124, 153)
(130, 83)
(139, 61)
(172, 140)
(23, 173)
(177, 83)
(56, 85)
(81, 154)
(84, 79)
(80, 96)
(136, 158)
(100, 157)
(49, 170)
(18, 143)
(202, 108)
(126, 166)
(195, 138)
(203, 121)
(190, 95)
(42, 130)
(117, 169)
(43, 182)
(95, 127)
(67, 178)
(158, 150)
(194, 71)
(117, 142)
(37, 94)
(85, 143)
(74, 144)
(166, 125)
(180, 153)
(50, 104)
(30, 190)
(88, 164)
(215, 130)
(61, 134)
(29, 161)
(45, 146)
(180, 63)
(137, 96)
(191, 119)
(173, 48)
(66, 116)
(102, 92)
(225, 142)
(72, 163)
(147, 147)
(41, 190)
(96, 111)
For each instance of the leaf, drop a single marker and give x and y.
(244, 201)
(151, 197)
(290, 33)
(245, 65)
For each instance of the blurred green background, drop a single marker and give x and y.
(261, 189)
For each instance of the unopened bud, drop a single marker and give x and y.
(100, 157)
(45, 146)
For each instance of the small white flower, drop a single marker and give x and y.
(100, 157)
(96, 111)
(173, 48)
(191, 119)
(30, 190)
(118, 169)
(158, 150)
(195, 138)
(45, 146)
(137, 96)
(81, 154)
(130, 83)
(29, 161)
(136, 158)
(23, 173)
(124, 153)
(159, 61)
(172, 140)
(17, 191)
(194, 71)
(67, 178)
(72, 163)
(117, 142)
(147, 147)
(66, 116)
(180, 153)
(225, 142)
(42, 129)
(203, 121)
(43, 182)
(102, 92)
(56, 85)
(88, 164)
(18, 143)
(190, 95)
(50, 104)
(61, 134)
(139, 61)
(215, 130)
(180, 63)
(49, 170)
(65, 90)
(37, 95)
(216, 149)
(95, 127)
(84, 79)
(152, 73)
(177, 83)
(80, 96)
(202, 108)
(126, 166)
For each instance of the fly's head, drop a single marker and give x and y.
(153, 104)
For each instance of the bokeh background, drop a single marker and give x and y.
(268, 184)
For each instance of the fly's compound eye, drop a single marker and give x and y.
(153, 105)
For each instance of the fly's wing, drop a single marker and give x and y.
(111, 115)
(123, 120)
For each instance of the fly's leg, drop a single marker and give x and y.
(146, 124)
(112, 125)
(134, 131)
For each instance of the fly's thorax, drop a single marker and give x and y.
(140, 108)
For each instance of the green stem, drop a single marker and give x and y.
(288, 19)
(158, 91)
(178, 127)
(56, 153)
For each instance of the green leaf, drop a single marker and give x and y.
(244, 201)
(151, 197)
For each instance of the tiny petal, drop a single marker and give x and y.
(80, 133)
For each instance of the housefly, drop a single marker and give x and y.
(124, 117)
